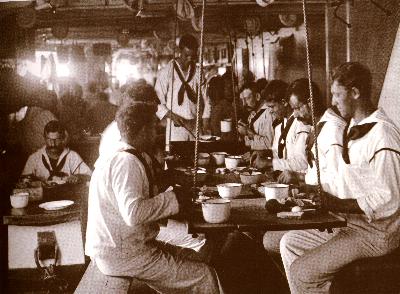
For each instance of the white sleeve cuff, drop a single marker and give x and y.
(161, 111)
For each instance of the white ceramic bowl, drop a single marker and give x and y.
(219, 157)
(276, 191)
(229, 190)
(203, 159)
(251, 178)
(226, 125)
(19, 200)
(216, 210)
(232, 162)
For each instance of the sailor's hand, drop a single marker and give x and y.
(73, 179)
(184, 198)
(288, 177)
(242, 129)
(178, 120)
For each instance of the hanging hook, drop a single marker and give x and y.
(337, 5)
(386, 11)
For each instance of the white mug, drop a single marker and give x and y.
(226, 125)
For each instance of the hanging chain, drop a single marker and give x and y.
(314, 122)
(199, 96)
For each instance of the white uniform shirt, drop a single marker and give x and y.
(294, 157)
(263, 128)
(73, 165)
(330, 146)
(378, 151)
(164, 91)
(121, 214)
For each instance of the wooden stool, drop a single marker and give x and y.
(94, 281)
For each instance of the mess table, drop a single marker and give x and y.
(248, 212)
(25, 225)
(249, 215)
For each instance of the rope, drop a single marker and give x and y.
(199, 96)
(312, 98)
(167, 147)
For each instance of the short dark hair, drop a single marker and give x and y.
(251, 86)
(140, 91)
(354, 74)
(301, 89)
(54, 126)
(275, 91)
(132, 118)
(188, 41)
(261, 84)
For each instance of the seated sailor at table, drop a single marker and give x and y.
(55, 159)
(370, 165)
(257, 132)
(141, 92)
(330, 129)
(291, 153)
(124, 211)
(275, 98)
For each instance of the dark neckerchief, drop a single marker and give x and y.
(310, 142)
(54, 170)
(277, 122)
(356, 132)
(185, 87)
(282, 138)
(255, 117)
(147, 169)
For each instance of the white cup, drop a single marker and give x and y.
(216, 211)
(276, 191)
(19, 200)
(226, 125)
(219, 157)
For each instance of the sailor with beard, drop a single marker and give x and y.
(55, 160)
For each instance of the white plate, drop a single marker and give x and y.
(55, 205)
(209, 138)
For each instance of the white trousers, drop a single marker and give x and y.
(166, 269)
(311, 258)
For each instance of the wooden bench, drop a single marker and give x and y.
(94, 281)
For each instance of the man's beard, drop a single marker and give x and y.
(55, 150)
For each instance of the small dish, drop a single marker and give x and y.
(56, 205)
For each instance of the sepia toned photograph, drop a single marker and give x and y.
(200, 146)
